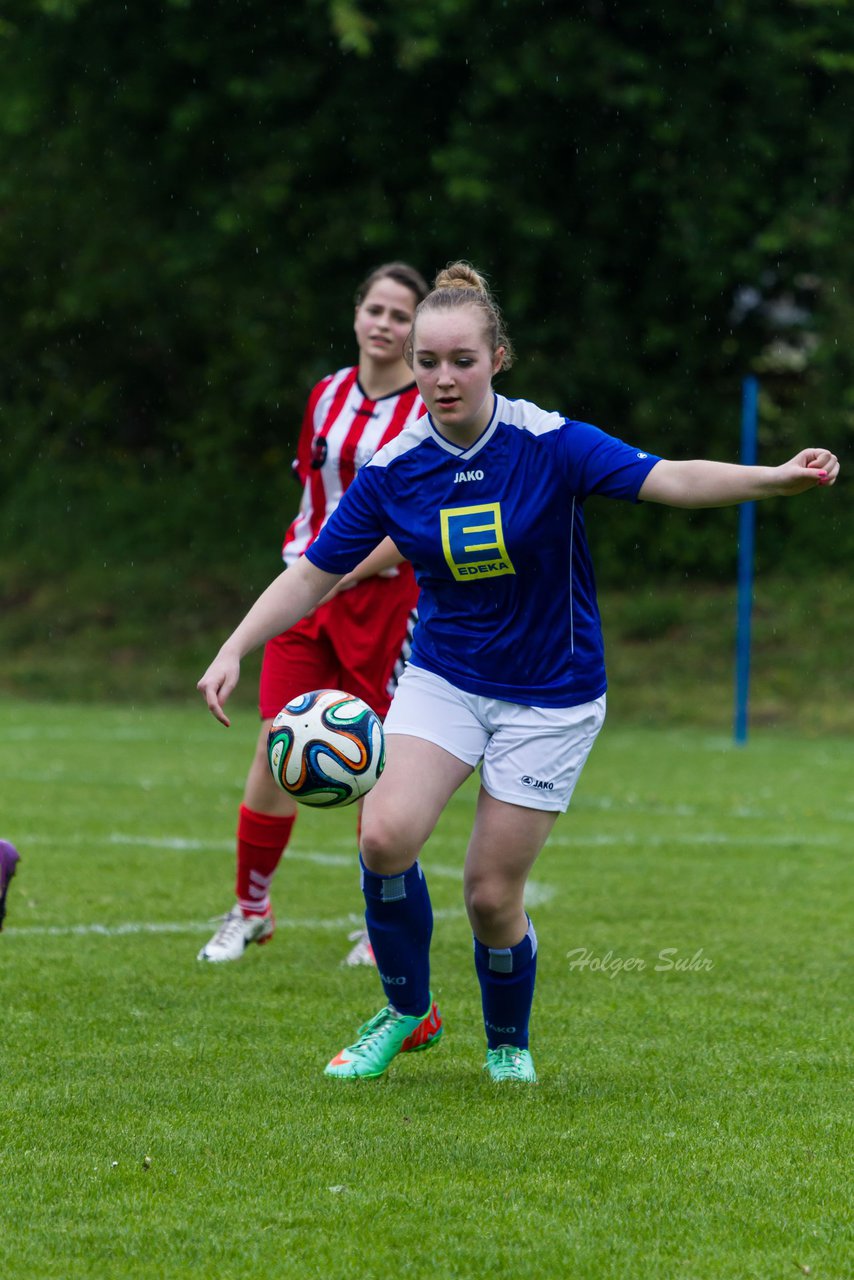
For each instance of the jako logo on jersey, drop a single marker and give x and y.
(536, 783)
(392, 982)
(473, 541)
(462, 476)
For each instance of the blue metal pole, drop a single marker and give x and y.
(746, 528)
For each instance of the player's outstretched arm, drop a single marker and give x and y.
(701, 483)
(287, 599)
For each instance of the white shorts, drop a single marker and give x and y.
(529, 756)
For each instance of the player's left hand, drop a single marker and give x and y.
(809, 469)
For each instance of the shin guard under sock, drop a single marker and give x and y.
(400, 925)
(507, 976)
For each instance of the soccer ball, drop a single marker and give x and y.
(326, 748)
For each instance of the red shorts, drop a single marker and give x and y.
(352, 643)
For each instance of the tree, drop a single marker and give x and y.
(189, 192)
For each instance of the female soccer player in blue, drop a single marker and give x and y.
(484, 496)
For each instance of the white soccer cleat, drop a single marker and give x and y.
(363, 952)
(235, 934)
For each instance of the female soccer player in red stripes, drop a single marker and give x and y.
(357, 640)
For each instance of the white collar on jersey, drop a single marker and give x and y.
(458, 451)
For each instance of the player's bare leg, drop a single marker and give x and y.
(265, 822)
(398, 910)
(504, 845)
(261, 792)
(394, 829)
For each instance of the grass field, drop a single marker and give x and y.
(92, 635)
(691, 1027)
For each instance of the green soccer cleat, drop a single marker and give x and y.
(509, 1062)
(378, 1044)
(426, 1034)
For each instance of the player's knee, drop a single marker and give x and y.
(490, 903)
(385, 847)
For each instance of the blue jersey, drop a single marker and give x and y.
(495, 533)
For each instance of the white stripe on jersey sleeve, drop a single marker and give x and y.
(528, 416)
(516, 413)
(409, 438)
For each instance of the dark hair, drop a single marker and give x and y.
(402, 273)
(460, 285)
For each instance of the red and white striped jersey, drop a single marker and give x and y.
(342, 429)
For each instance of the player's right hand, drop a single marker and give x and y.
(218, 682)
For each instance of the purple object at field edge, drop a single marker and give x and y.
(9, 857)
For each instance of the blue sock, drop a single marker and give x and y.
(506, 976)
(400, 925)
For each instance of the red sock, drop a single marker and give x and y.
(261, 840)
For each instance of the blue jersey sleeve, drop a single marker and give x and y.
(596, 463)
(352, 531)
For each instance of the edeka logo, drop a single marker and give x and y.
(536, 783)
(473, 542)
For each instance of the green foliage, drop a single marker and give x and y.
(161, 1119)
(189, 193)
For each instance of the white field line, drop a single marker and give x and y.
(146, 926)
(187, 926)
(686, 839)
(339, 925)
(434, 870)
(535, 894)
(575, 840)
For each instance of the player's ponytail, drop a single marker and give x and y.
(460, 285)
(460, 275)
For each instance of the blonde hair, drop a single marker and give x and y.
(460, 285)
